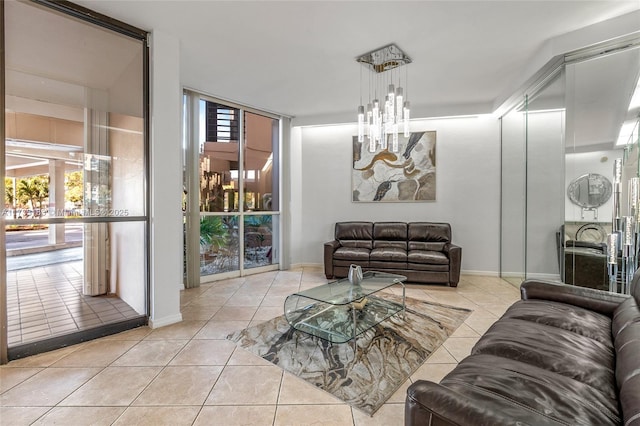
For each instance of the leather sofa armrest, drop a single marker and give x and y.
(599, 301)
(329, 248)
(430, 404)
(455, 263)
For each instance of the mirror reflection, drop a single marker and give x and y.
(589, 191)
(599, 103)
(559, 147)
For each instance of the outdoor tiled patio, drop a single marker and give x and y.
(46, 301)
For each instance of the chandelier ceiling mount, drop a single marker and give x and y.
(380, 121)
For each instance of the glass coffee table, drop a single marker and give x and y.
(339, 311)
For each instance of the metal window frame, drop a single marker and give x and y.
(193, 213)
(87, 15)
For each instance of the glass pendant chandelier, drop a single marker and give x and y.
(381, 122)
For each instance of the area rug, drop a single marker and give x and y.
(385, 355)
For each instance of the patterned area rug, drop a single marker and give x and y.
(385, 355)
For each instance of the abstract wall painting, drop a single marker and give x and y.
(408, 175)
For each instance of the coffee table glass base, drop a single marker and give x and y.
(345, 311)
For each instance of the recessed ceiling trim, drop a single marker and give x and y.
(604, 48)
(557, 63)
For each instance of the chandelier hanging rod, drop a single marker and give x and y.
(382, 119)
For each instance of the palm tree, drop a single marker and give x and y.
(74, 187)
(213, 232)
(34, 189)
(9, 196)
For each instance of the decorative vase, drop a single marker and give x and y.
(355, 274)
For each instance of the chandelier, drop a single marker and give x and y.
(381, 121)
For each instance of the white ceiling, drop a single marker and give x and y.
(298, 57)
(51, 59)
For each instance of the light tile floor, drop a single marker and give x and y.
(47, 301)
(188, 374)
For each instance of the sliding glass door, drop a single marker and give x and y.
(75, 174)
(232, 189)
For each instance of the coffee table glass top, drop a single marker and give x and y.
(342, 292)
(339, 311)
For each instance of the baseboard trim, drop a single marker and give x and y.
(548, 277)
(464, 272)
(162, 322)
(482, 273)
(307, 265)
(512, 275)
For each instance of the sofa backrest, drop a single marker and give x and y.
(390, 234)
(626, 335)
(355, 234)
(412, 236)
(428, 235)
(635, 286)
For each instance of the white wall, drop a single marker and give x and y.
(467, 182)
(166, 180)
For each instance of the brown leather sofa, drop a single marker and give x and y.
(563, 355)
(421, 251)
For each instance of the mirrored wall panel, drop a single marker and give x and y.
(600, 108)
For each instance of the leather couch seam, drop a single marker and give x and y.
(481, 389)
(526, 407)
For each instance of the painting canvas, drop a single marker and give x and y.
(403, 176)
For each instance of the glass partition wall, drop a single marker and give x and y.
(513, 196)
(559, 147)
(75, 146)
(232, 187)
(532, 165)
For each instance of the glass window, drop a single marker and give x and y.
(261, 175)
(219, 158)
(76, 166)
(235, 156)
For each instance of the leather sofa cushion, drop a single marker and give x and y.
(630, 402)
(428, 267)
(424, 245)
(388, 254)
(627, 341)
(354, 231)
(428, 257)
(390, 231)
(379, 265)
(385, 243)
(628, 357)
(354, 254)
(546, 398)
(429, 231)
(368, 244)
(567, 317)
(553, 349)
(346, 263)
(625, 314)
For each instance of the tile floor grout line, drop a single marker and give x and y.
(311, 279)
